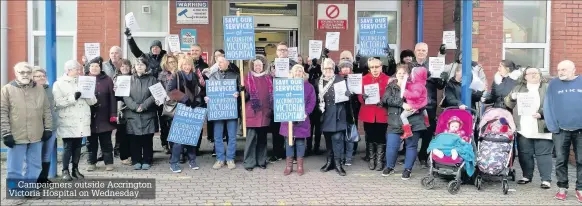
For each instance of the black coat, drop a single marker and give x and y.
(453, 95)
(153, 59)
(336, 116)
(500, 91)
(392, 101)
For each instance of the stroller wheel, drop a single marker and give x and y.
(505, 186)
(454, 187)
(478, 182)
(427, 182)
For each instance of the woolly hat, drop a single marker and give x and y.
(406, 53)
(97, 60)
(157, 43)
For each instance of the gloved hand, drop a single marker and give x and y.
(113, 119)
(325, 52)
(242, 88)
(127, 33)
(313, 62)
(9, 140)
(444, 76)
(358, 57)
(348, 93)
(46, 135)
(443, 49)
(365, 96)
(379, 104)
(77, 95)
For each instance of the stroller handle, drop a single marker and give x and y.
(471, 110)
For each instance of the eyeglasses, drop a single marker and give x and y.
(39, 76)
(532, 73)
(24, 72)
(282, 50)
(374, 67)
(330, 68)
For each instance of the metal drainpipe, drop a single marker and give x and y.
(4, 41)
(419, 21)
(51, 62)
(467, 45)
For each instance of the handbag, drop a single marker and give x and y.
(352, 133)
(175, 95)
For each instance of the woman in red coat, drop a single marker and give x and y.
(374, 116)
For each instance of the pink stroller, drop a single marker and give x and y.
(446, 165)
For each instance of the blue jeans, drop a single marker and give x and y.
(393, 144)
(48, 147)
(177, 152)
(18, 155)
(299, 145)
(562, 142)
(231, 127)
(349, 150)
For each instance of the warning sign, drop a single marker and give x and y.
(332, 16)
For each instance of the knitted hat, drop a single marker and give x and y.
(157, 43)
(455, 119)
(97, 60)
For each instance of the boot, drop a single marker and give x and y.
(380, 157)
(329, 164)
(289, 166)
(338, 167)
(76, 174)
(372, 159)
(300, 166)
(67, 175)
(43, 177)
(367, 157)
(407, 131)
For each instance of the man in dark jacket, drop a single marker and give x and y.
(154, 57)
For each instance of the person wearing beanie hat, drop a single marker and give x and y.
(406, 56)
(153, 57)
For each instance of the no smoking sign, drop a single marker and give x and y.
(332, 16)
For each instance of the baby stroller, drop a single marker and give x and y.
(446, 165)
(495, 152)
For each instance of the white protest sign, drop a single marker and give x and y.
(293, 54)
(86, 86)
(373, 92)
(122, 86)
(477, 84)
(281, 67)
(173, 41)
(340, 90)
(131, 22)
(526, 104)
(158, 92)
(332, 41)
(449, 39)
(355, 83)
(315, 48)
(436, 66)
(92, 50)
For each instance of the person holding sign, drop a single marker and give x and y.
(301, 130)
(74, 117)
(504, 81)
(373, 115)
(184, 88)
(121, 138)
(395, 105)
(452, 93)
(141, 114)
(346, 68)
(534, 138)
(259, 97)
(103, 117)
(153, 57)
(230, 124)
(335, 119)
(169, 68)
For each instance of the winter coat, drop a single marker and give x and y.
(336, 116)
(51, 98)
(264, 90)
(120, 104)
(154, 60)
(432, 84)
(192, 96)
(501, 87)
(415, 93)
(392, 102)
(74, 115)
(25, 112)
(140, 123)
(371, 113)
(452, 94)
(302, 129)
(165, 77)
(512, 104)
(106, 106)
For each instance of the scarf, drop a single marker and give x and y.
(322, 90)
(254, 94)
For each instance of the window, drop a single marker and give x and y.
(392, 28)
(526, 33)
(153, 20)
(66, 23)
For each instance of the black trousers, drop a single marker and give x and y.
(375, 132)
(315, 138)
(102, 139)
(72, 150)
(427, 135)
(142, 150)
(122, 142)
(278, 140)
(164, 127)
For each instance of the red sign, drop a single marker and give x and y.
(332, 16)
(332, 11)
(205, 57)
(332, 24)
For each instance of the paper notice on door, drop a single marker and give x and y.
(355, 83)
(92, 50)
(131, 22)
(315, 47)
(173, 41)
(122, 86)
(332, 41)
(281, 67)
(340, 90)
(158, 92)
(449, 39)
(293, 55)
(373, 92)
(436, 66)
(86, 86)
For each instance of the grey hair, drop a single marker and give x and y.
(116, 48)
(38, 69)
(71, 65)
(346, 64)
(328, 63)
(22, 65)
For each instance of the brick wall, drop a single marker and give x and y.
(203, 31)
(489, 41)
(17, 34)
(346, 36)
(433, 26)
(449, 24)
(566, 33)
(407, 25)
(98, 22)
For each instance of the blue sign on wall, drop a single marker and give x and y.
(187, 38)
(187, 125)
(221, 104)
(239, 37)
(288, 100)
(373, 33)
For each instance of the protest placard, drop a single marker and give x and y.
(436, 66)
(340, 90)
(92, 50)
(373, 36)
(131, 22)
(173, 41)
(373, 92)
(525, 103)
(122, 86)
(158, 92)
(315, 48)
(86, 86)
(355, 83)
(332, 41)
(187, 125)
(450, 39)
(293, 54)
(221, 104)
(281, 67)
(289, 104)
(239, 37)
